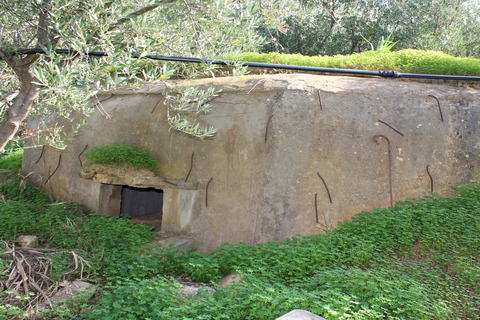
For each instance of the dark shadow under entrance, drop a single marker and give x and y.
(144, 206)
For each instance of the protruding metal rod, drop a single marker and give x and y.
(439, 107)
(156, 105)
(191, 167)
(396, 130)
(254, 86)
(58, 166)
(206, 192)
(389, 164)
(431, 180)
(41, 154)
(81, 164)
(266, 128)
(325, 184)
(320, 99)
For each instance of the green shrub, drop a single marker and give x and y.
(337, 293)
(407, 61)
(122, 153)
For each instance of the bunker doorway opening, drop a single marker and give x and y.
(142, 205)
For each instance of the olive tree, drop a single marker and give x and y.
(66, 85)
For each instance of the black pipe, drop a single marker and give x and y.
(383, 74)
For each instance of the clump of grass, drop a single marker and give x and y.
(12, 161)
(115, 153)
(407, 61)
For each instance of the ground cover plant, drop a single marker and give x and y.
(418, 260)
(407, 61)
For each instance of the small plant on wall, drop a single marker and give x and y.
(114, 153)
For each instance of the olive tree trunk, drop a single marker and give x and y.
(20, 108)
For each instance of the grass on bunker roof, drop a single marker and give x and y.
(405, 61)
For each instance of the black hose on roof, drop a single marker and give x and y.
(383, 74)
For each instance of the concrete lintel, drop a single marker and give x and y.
(138, 178)
(156, 183)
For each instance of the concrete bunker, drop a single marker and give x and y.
(262, 174)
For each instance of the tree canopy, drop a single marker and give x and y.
(46, 84)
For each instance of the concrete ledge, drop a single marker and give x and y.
(182, 243)
(130, 176)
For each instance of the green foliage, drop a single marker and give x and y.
(418, 260)
(100, 239)
(347, 26)
(130, 28)
(335, 294)
(8, 311)
(12, 161)
(68, 227)
(408, 61)
(145, 299)
(24, 193)
(385, 45)
(70, 309)
(115, 153)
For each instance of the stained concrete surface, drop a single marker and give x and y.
(272, 144)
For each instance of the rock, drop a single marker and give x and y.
(298, 314)
(73, 289)
(28, 241)
(229, 278)
(192, 291)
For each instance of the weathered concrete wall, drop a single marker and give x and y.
(262, 191)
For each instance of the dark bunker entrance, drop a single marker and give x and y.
(142, 205)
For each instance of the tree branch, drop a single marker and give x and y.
(132, 15)
(42, 34)
(9, 97)
(138, 13)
